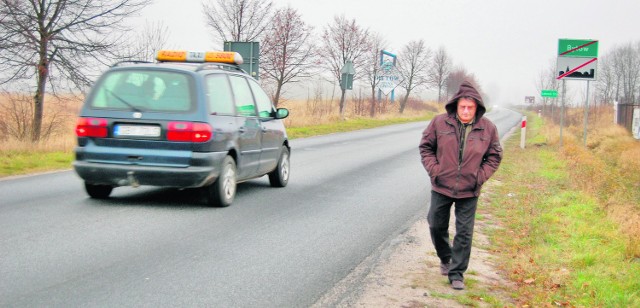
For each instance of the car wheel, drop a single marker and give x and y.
(222, 192)
(280, 176)
(98, 191)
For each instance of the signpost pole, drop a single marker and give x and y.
(381, 62)
(562, 111)
(251, 60)
(388, 77)
(393, 92)
(576, 60)
(586, 116)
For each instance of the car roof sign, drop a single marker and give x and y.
(199, 56)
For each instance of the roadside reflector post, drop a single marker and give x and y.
(523, 131)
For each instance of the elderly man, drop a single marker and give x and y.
(460, 150)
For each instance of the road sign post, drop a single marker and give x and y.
(564, 90)
(531, 100)
(346, 77)
(389, 77)
(577, 60)
(250, 52)
(586, 117)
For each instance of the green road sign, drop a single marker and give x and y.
(347, 72)
(577, 48)
(549, 93)
(250, 52)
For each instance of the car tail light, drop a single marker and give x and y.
(189, 132)
(92, 127)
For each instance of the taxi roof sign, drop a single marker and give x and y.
(199, 56)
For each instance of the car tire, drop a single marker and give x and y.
(279, 177)
(98, 191)
(222, 192)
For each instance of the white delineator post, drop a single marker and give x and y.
(523, 132)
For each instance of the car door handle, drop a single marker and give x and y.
(242, 129)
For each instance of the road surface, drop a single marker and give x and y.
(349, 195)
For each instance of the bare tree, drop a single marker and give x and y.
(344, 40)
(371, 69)
(619, 74)
(287, 50)
(439, 71)
(413, 64)
(144, 45)
(547, 81)
(153, 38)
(607, 80)
(67, 37)
(457, 76)
(627, 64)
(238, 20)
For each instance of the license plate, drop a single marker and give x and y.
(136, 131)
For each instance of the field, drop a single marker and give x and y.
(310, 117)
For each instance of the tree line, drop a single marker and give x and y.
(60, 46)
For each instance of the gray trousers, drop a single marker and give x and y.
(439, 214)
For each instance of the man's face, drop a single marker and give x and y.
(466, 109)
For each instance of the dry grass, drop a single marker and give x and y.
(64, 111)
(568, 218)
(60, 113)
(312, 112)
(608, 168)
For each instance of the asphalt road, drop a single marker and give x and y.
(349, 195)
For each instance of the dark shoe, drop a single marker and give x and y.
(457, 285)
(444, 269)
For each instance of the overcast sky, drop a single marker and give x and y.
(505, 43)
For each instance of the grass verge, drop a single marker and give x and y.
(556, 239)
(349, 125)
(23, 162)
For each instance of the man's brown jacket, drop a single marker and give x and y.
(440, 148)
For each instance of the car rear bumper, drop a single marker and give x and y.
(119, 174)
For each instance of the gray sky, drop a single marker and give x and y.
(506, 44)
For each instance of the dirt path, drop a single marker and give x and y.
(409, 275)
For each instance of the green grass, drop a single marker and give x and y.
(557, 243)
(348, 125)
(22, 162)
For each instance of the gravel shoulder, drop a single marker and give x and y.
(407, 273)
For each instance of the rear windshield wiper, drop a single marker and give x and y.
(120, 99)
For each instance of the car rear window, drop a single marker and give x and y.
(144, 90)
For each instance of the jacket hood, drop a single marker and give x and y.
(466, 89)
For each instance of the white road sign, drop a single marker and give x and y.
(388, 78)
(576, 68)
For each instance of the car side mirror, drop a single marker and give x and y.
(282, 113)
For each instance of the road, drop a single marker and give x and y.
(349, 195)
